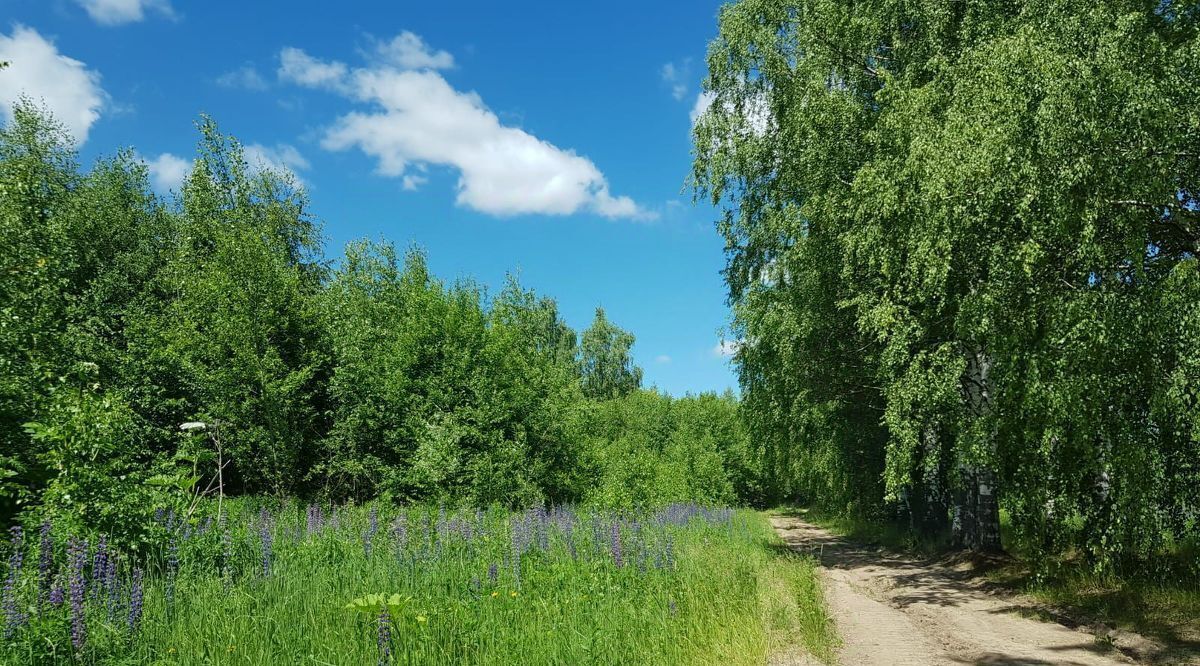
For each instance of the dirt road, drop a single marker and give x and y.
(891, 610)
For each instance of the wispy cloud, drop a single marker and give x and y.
(408, 51)
(120, 12)
(64, 85)
(726, 348)
(676, 76)
(662, 358)
(281, 158)
(246, 77)
(167, 172)
(409, 117)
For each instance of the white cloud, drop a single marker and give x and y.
(245, 76)
(65, 86)
(676, 76)
(662, 358)
(414, 118)
(296, 66)
(726, 348)
(117, 12)
(703, 101)
(281, 158)
(755, 109)
(408, 51)
(412, 181)
(167, 172)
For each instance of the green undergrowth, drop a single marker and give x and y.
(379, 585)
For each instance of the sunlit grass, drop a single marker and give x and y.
(489, 588)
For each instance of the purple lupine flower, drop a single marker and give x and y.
(226, 550)
(45, 561)
(671, 607)
(517, 547)
(372, 528)
(669, 551)
(400, 533)
(172, 569)
(264, 533)
(99, 567)
(383, 639)
(78, 553)
(57, 596)
(135, 601)
(13, 618)
(315, 520)
(493, 572)
(615, 545)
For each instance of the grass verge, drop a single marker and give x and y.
(686, 585)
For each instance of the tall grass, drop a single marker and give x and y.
(272, 585)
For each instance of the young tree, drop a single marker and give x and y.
(606, 368)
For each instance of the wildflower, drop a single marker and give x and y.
(383, 639)
(45, 560)
(495, 594)
(226, 550)
(615, 545)
(400, 533)
(110, 577)
(264, 533)
(78, 560)
(372, 528)
(512, 593)
(493, 572)
(99, 567)
(57, 596)
(135, 601)
(172, 568)
(13, 618)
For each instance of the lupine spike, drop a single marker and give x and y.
(13, 618)
(135, 601)
(78, 554)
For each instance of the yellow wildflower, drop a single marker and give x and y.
(495, 594)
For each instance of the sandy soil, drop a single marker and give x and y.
(891, 609)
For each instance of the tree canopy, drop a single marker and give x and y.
(962, 257)
(124, 314)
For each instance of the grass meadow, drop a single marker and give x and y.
(291, 584)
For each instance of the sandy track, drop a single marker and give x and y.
(890, 609)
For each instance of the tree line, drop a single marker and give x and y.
(125, 314)
(962, 257)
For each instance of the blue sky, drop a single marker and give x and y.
(549, 139)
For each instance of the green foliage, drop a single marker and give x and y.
(686, 592)
(606, 368)
(647, 449)
(124, 315)
(962, 258)
(97, 479)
